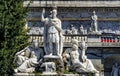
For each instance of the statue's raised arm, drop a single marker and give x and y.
(94, 23)
(42, 15)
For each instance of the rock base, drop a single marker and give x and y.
(70, 75)
(24, 74)
(49, 74)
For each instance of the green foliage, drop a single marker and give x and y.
(66, 72)
(12, 33)
(37, 74)
(90, 74)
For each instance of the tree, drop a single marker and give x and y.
(13, 36)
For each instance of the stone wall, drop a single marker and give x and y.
(108, 19)
(74, 3)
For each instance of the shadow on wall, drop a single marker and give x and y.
(109, 62)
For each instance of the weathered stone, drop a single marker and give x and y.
(108, 23)
(28, 58)
(24, 74)
(50, 67)
(49, 74)
(70, 75)
(53, 42)
(97, 3)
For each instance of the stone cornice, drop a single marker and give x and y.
(78, 19)
(73, 3)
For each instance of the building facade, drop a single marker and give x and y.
(103, 47)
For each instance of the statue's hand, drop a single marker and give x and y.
(55, 23)
(66, 55)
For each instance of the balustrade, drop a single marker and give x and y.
(92, 41)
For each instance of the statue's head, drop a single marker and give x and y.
(54, 13)
(74, 47)
(94, 12)
(84, 58)
(81, 27)
(116, 64)
(35, 44)
(74, 44)
(71, 25)
(83, 45)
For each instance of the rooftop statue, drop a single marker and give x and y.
(73, 29)
(52, 33)
(81, 29)
(94, 23)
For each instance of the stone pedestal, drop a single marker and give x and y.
(24, 74)
(49, 74)
(50, 68)
(70, 74)
(86, 74)
(95, 33)
(51, 57)
(51, 63)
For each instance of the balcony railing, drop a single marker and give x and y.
(92, 41)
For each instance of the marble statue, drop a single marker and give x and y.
(83, 47)
(52, 33)
(49, 67)
(94, 22)
(73, 29)
(71, 55)
(86, 62)
(115, 70)
(74, 54)
(79, 60)
(35, 31)
(90, 30)
(68, 31)
(88, 66)
(28, 58)
(81, 30)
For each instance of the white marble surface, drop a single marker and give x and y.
(24, 74)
